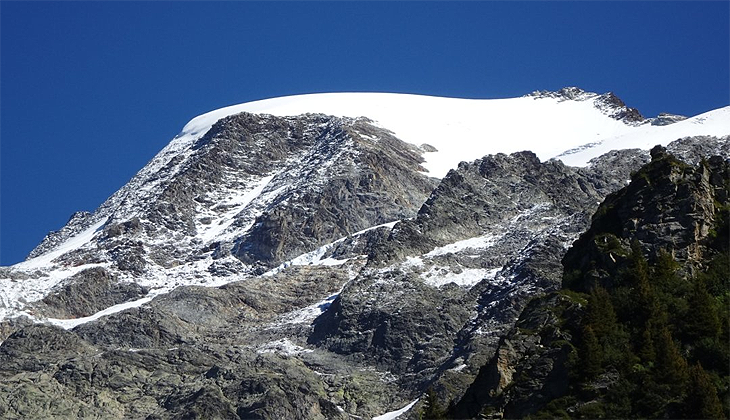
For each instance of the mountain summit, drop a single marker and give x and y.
(320, 256)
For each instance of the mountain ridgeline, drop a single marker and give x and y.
(267, 266)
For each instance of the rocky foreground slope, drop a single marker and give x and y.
(640, 325)
(268, 266)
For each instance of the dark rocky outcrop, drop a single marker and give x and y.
(87, 293)
(529, 368)
(669, 205)
(540, 368)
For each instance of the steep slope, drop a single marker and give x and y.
(252, 192)
(641, 319)
(265, 265)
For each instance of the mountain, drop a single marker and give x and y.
(640, 326)
(320, 256)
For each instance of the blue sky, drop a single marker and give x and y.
(90, 91)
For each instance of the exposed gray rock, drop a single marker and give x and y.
(428, 303)
(529, 368)
(665, 119)
(693, 150)
(38, 347)
(326, 178)
(608, 103)
(392, 316)
(11, 325)
(669, 205)
(197, 352)
(87, 293)
(373, 179)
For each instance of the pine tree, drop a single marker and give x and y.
(647, 352)
(702, 401)
(665, 272)
(702, 320)
(671, 367)
(638, 266)
(646, 304)
(592, 354)
(601, 315)
(433, 409)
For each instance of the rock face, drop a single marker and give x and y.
(669, 206)
(197, 352)
(87, 293)
(306, 182)
(666, 119)
(529, 368)
(307, 267)
(369, 182)
(76, 223)
(441, 289)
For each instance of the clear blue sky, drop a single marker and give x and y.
(90, 91)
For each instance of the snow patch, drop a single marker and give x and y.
(316, 257)
(73, 243)
(466, 277)
(393, 415)
(72, 323)
(235, 205)
(479, 242)
(310, 313)
(713, 123)
(458, 368)
(283, 347)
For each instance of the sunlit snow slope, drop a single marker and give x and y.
(466, 129)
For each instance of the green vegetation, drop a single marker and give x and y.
(648, 330)
(656, 344)
(432, 408)
(654, 339)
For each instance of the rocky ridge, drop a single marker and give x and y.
(294, 267)
(608, 103)
(670, 205)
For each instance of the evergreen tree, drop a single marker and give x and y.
(592, 353)
(646, 305)
(647, 353)
(701, 401)
(665, 272)
(601, 315)
(638, 266)
(671, 368)
(433, 409)
(701, 320)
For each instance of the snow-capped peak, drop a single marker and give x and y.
(164, 213)
(547, 123)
